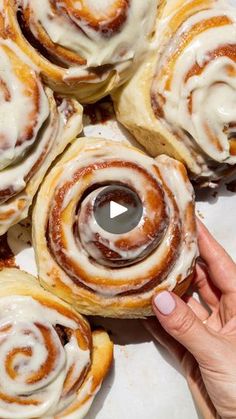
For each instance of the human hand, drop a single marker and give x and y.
(203, 337)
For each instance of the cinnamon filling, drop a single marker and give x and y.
(147, 237)
(64, 333)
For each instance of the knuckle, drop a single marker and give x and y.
(183, 323)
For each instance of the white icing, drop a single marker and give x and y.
(183, 194)
(213, 91)
(76, 35)
(24, 314)
(89, 229)
(85, 406)
(16, 114)
(76, 250)
(23, 165)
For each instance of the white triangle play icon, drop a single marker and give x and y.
(116, 209)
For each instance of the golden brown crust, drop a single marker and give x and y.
(159, 106)
(82, 383)
(99, 369)
(181, 288)
(32, 134)
(87, 81)
(124, 277)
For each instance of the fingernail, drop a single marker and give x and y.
(164, 303)
(200, 261)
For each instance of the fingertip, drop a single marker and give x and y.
(201, 272)
(200, 264)
(202, 230)
(209, 248)
(199, 223)
(164, 303)
(180, 322)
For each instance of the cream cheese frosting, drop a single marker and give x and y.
(181, 100)
(34, 128)
(52, 365)
(203, 79)
(80, 255)
(81, 47)
(24, 324)
(71, 30)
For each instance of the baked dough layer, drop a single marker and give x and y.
(128, 269)
(181, 101)
(52, 365)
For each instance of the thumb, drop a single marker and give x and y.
(177, 318)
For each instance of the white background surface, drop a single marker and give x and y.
(144, 383)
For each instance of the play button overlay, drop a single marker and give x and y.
(118, 209)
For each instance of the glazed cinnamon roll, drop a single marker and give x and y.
(82, 47)
(182, 100)
(35, 127)
(51, 364)
(107, 273)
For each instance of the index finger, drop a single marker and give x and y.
(222, 268)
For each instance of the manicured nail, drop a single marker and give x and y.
(164, 302)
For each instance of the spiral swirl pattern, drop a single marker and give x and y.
(46, 352)
(118, 273)
(181, 101)
(86, 47)
(194, 88)
(31, 121)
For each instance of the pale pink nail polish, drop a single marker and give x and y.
(164, 303)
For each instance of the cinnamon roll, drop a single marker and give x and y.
(182, 99)
(105, 273)
(35, 127)
(51, 364)
(83, 47)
